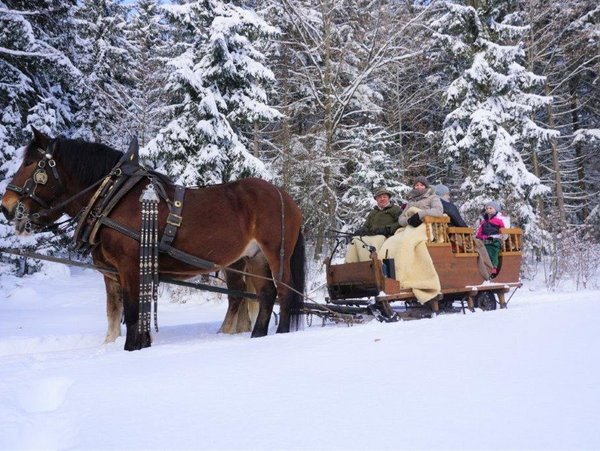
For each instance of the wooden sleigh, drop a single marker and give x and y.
(454, 255)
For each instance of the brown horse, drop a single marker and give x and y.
(246, 225)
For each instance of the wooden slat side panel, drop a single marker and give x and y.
(437, 228)
(433, 219)
(462, 240)
(510, 267)
(351, 272)
(513, 239)
(453, 271)
(354, 280)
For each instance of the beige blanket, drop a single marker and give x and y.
(358, 251)
(414, 267)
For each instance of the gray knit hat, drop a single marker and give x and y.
(421, 179)
(494, 204)
(441, 190)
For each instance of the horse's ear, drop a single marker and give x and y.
(133, 153)
(40, 138)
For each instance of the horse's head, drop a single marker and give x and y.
(35, 187)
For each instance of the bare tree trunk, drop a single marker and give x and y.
(578, 149)
(539, 203)
(560, 198)
(285, 135)
(328, 192)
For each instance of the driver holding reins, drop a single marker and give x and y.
(381, 223)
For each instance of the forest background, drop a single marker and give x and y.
(329, 99)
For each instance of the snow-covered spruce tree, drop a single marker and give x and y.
(218, 90)
(485, 135)
(147, 34)
(36, 72)
(36, 89)
(106, 59)
(563, 46)
(573, 80)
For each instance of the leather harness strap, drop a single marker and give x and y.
(166, 248)
(105, 220)
(173, 223)
(173, 220)
(121, 187)
(190, 259)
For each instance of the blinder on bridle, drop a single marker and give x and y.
(39, 177)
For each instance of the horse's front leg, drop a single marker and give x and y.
(134, 339)
(114, 308)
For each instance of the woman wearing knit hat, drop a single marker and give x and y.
(489, 232)
(422, 197)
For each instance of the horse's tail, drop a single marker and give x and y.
(298, 273)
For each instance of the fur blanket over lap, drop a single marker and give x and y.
(414, 267)
(357, 250)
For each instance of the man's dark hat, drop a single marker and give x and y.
(381, 191)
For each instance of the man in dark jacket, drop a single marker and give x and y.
(383, 218)
(450, 209)
(381, 222)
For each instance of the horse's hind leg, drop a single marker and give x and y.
(114, 308)
(290, 290)
(265, 291)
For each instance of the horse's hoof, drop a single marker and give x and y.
(131, 347)
(136, 346)
(110, 338)
(138, 341)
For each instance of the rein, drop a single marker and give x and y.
(70, 199)
(109, 270)
(171, 281)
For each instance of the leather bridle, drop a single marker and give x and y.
(38, 178)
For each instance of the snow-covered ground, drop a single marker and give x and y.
(523, 378)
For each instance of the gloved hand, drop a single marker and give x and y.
(414, 220)
(380, 231)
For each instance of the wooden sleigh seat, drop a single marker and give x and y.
(453, 252)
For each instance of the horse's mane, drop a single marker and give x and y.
(88, 162)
